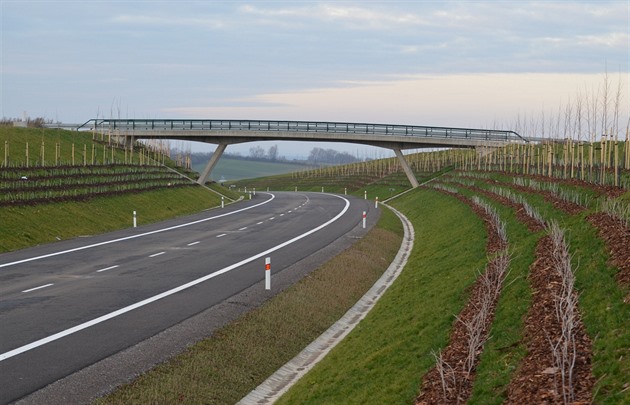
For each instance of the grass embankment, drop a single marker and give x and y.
(382, 360)
(26, 226)
(225, 367)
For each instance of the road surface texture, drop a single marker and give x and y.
(79, 317)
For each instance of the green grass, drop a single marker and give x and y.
(383, 359)
(224, 368)
(237, 169)
(26, 226)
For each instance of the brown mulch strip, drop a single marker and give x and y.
(607, 190)
(519, 209)
(617, 239)
(456, 353)
(537, 381)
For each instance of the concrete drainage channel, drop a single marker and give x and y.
(275, 386)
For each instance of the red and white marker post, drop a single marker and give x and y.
(268, 273)
(364, 216)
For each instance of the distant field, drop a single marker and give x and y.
(236, 169)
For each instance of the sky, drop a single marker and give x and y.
(479, 64)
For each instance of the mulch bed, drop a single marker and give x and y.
(617, 239)
(456, 353)
(607, 190)
(537, 381)
(519, 209)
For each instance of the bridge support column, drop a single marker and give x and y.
(406, 168)
(211, 163)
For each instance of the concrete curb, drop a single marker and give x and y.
(282, 380)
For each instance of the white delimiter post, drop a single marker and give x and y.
(135, 223)
(376, 203)
(365, 195)
(268, 273)
(364, 215)
(222, 202)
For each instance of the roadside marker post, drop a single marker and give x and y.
(365, 195)
(222, 202)
(322, 189)
(345, 191)
(364, 215)
(268, 273)
(254, 190)
(135, 222)
(376, 203)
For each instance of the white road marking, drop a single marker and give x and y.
(37, 288)
(107, 242)
(243, 228)
(259, 223)
(107, 268)
(192, 244)
(172, 291)
(281, 215)
(222, 235)
(272, 218)
(157, 254)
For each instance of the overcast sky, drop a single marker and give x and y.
(442, 63)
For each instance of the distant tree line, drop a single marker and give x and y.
(29, 122)
(317, 156)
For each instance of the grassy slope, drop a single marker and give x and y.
(236, 169)
(383, 358)
(21, 227)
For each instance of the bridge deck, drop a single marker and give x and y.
(226, 132)
(237, 131)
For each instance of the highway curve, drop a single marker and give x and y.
(68, 305)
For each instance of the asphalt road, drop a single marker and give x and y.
(68, 305)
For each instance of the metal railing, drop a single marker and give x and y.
(299, 126)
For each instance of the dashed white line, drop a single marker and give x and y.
(107, 268)
(272, 218)
(103, 318)
(192, 243)
(281, 215)
(37, 288)
(30, 259)
(157, 254)
(243, 228)
(222, 235)
(259, 223)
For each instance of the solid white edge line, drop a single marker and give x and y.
(172, 291)
(37, 288)
(30, 259)
(107, 268)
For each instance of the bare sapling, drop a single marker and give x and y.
(565, 302)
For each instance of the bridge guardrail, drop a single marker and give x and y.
(300, 126)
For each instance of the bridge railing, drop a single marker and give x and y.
(299, 126)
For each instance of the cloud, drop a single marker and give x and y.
(171, 21)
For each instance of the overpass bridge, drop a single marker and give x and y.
(227, 132)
